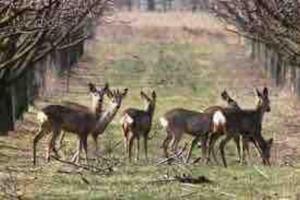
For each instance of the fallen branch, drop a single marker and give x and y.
(91, 168)
(175, 156)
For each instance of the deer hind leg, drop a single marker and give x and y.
(222, 146)
(126, 136)
(43, 130)
(130, 144)
(51, 147)
(175, 141)
(211, 146)
(194, 142)
(166, 143)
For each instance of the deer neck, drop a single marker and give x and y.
(150, 109)
(106, 117)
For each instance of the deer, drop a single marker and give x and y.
(137, 123)
(78, 121)
(97, 95)
(178, 121)
(244, 122)
(198, 124)
(232, 104)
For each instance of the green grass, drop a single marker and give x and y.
(184, 74)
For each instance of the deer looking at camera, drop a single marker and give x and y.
(97, 95)
(78, 121)
(137, 123)
(247, 123)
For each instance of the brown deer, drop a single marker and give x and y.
(137, 123)
(80, 122)
(179, 121)
(247, 123)
(97, 95)
(232, 104)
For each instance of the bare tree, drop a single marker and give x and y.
(30, 30)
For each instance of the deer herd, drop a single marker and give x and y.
(231, 122)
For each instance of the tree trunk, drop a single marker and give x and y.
(151, 5)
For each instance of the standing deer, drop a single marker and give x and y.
(178, 121)
(247, 123)
(137, 123)
(96, 107)
(78, 121)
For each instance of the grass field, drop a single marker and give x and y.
(188, 59)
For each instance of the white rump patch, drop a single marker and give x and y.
(164, 122)
(126, 119)
(219, 118)
(42, 117)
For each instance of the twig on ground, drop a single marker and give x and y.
(261, 172)
(174, 157)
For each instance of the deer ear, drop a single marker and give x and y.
(92, 87)
(106, 86)
(153, 94)
(224, 94)
(125, 92)
(258, 92)
(265, 92)
(270, 142)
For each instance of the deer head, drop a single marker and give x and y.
(98, 96)
(263, 102)
(149, 102)
(116, 97)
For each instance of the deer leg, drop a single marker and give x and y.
(138, 147)
(84, 145)
(166, 143)
(194, 142)
(238, 147)
(95, 138)
(175, 141)
(145, 146)
(245, 149)
(131, 139)
(125, 132)
(43, 130)
(51, 146)
(211, 146)
(222, 146)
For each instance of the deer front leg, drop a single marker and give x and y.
(238, 147)
(145, 146)
(138, 147)
(95, 138)
(84, 145)
(43, 130)
(76, 155)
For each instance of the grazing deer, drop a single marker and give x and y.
(247, 123)
(137, 123)
(97, 95)
(80, 122)
(179, 121)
